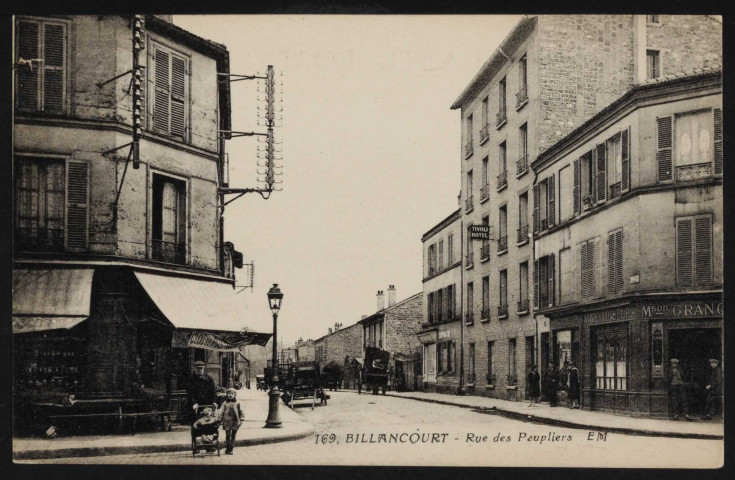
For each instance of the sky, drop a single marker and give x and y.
(371, 153)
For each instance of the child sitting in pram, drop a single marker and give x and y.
(204, 431)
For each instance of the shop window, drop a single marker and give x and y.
(169, 220)
(657, 349)
(611, 366)
(47, 363)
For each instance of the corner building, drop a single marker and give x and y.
(633, 267)
(549, 75)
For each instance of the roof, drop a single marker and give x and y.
(685, 80)
(215, 50)
(509, 44)
(381, 313)
(439, 226)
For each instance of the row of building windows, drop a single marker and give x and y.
(42, 77)
(436, 255)
(442, 305)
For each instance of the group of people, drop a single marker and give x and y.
(226, 409)
(678, 390)
(566, 379)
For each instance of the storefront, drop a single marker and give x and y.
(623, 350)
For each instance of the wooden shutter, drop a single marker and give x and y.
(536, 291)
(178, 96)
(584, 270)
(718, 141)
(550, 272)
(53, 67)
(162, 90)
(77, 205)
(619, 261)
(684, 272)
(663, 152)
(550, 203)
(625, 146)
(600, 173)
(593, 250)
(703, 250)
(27, 88)
(577, 187)
(536, 197)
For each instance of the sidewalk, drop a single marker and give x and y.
(566, 417)
(255, 407)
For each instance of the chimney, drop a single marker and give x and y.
(381, 300)
(330, 331)
(391, 295)
(336, 326)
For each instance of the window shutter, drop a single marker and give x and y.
(577, 187)
(600, 174)
(536, 197)
(684, 273)
(535, 284)
(584, 270)
(162, 91)
(550, 204)
(619, 261)
(53, 68)
(611, 251)
(593, 250)
(550, 272)
(27, 88)
(77, 205)
(718, 141)
(663, 152)
(178, 96)
(703, 252)
(625, 145)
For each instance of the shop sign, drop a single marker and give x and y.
(683, 310)
(613, 315)
(445, 334)
(480, 232)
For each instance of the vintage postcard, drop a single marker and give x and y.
(487, 240)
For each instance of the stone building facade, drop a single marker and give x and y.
(122, 272)
(441, 331)
(341, 346)
(627, 292)
(549, 75)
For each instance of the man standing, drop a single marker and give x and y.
(714, 389)
(551, 384)
(201, 387)
(677, 389)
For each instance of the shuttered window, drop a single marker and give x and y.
(615, 261)
(543, 281)
(599, 155)
(170, 85)
(589, 264)
(625, 174)
(694, 251)
(503, 288)
(77, 205)
(41, 66)
(663, 150)
(718, 140)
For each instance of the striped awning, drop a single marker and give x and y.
(51, 298)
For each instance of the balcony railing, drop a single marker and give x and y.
(468, 149)
(469, 260)
(522, 235)
(485, 313)
(502, 180)
(502, 244)
(523, 306)
(484, 251)
(484, 134)
(522, 165)
(468, 203)
(469, 318)
(694, 171)
(522, 97)
(39, 239)
(615, 190)
(501, 118)
(502, 311)
(484, 192)
(169, 252)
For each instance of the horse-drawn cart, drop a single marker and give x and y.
(374, 372)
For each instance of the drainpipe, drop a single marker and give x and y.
(460, 387)
(533, 265)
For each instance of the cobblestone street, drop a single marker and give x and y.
(379, 430)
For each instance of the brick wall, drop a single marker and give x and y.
(685, 42)
(402, 325)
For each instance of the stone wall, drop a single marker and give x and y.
(402, 325)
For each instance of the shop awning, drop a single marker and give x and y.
(208, 312)
(50, 299)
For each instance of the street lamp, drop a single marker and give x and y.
(275, 296)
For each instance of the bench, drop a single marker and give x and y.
(164, 414)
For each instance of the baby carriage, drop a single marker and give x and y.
(204, 432)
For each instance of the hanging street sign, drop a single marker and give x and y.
(480, 232)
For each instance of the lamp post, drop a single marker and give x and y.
(275, 296)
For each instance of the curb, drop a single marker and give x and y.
(128, 450)
(565, 423)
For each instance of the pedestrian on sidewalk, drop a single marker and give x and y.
(677, 389)
(714, 390)
(230, 413)
(551, 384)
(201, 389)
(573, 385)
(534, 388)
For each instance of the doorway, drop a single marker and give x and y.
(694, 347)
